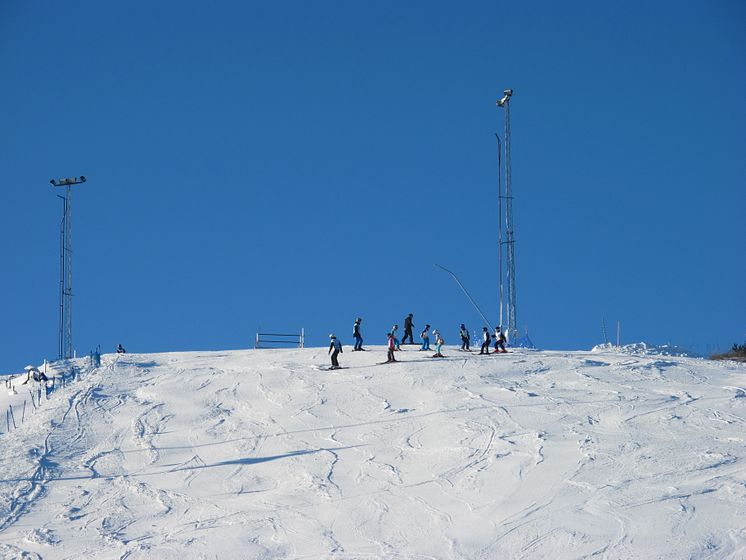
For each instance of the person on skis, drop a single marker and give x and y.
(464, 333)
(335, 348)
(408, 326)
(486, 339)
(358, 337)
(439, 342)
(396, 340)
(425, 336)
(500, 341)
(120, 349)
(391, 346)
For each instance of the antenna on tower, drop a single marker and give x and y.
(512, 328)
(66, 267)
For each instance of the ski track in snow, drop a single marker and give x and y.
(260, 454)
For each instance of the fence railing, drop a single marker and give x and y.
(273, 340)
(38, 391)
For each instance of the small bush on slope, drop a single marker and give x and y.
(738, 353)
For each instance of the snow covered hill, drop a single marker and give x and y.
(263, 454)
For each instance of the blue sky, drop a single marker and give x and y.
(293, 164)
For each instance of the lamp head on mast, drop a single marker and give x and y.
(506, 95)
(68, 182)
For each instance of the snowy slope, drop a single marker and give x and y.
(262, 454)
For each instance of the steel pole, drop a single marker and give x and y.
(499, 222)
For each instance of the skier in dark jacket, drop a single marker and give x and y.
(121, 350)
(358, 337)
(408, 326)
(464, 332)
(335, 348)
(486, 339)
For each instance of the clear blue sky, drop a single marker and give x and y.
(297, 164)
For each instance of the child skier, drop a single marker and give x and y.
(438, 344)
(358, 337)
(335, 348)
(391, 347)
(486, 339)
(425, 336)
(500, 341)
(464, 332)
(396, 340)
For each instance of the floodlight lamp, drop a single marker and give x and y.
(507, 93)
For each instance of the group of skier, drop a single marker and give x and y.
(393, 343)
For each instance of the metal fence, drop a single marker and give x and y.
(274, 340)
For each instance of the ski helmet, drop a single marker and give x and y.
(332, 336)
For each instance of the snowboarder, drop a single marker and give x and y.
(335, 348)
(486, 339)
(425, 336)
(120, 349)
(358, 337)
(396, 340)
(464, 332)
(500, 341)
(439, 342)
(408, 326)
(391, 347)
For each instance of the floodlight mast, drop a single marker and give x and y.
(66, 267)
(499, 224)
(512, 327)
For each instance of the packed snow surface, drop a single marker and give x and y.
(265, 454)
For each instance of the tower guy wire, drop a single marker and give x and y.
(466, 292)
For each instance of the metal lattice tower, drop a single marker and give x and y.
(66, 268)
(512, 327)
